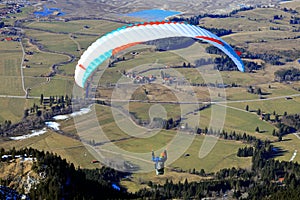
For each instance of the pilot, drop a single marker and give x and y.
(159, 162)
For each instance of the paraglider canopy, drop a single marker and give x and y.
(133, 34)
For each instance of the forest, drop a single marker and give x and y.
(290, 74)
(63, 181)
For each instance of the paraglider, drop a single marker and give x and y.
(134, 34)
(160, 162)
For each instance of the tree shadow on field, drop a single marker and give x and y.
(277, 151)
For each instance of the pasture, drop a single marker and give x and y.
(291, 106)
(70, 149)
(96, 27)
(113, 128)
(16, 108)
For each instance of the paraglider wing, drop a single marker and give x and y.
(127, 36)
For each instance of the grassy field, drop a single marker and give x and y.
(56, 86)
(223, 154)
(278, 105)
(224, 151)
(16, 108)
(292, 4)
(40, 62)
(142, 110)
(140, 180)
(290, 144)
(252, 20)
(68, 148)
(55, 42)
(240, 121)
(98, 27)
(10, 70)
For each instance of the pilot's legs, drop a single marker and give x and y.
(160, 171)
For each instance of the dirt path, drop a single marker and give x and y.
(21, 67)
(76, 42)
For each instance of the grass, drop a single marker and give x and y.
(292, 4)
(56, 86)
(251, 20)
(10, 68)
(278, 105)
(193, 52)
(41, 62)
(99, 27)
(240, 122)
(12, 54)
(54, 42)
(72, 150)
(148, 57)
(85, 40)
(289, 144)
(140, 180)
(142, 110)
(224, 152)
(11, 85)
(234, 94)
(16, 107)
(278, 89)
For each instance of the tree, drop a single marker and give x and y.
(277, 118)
(162, 74)
(26, 113)
(258, 91)
(39, 113)
(202, 172)
(257, 129)
(42, 99)
(259, 112)
(247, 108)
(267, 117)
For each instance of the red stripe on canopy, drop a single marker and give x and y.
(210, 39)
(82, 67)
(121, 48)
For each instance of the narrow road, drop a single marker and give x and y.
(21, 66)
(17, 97)
(297, 135)
(293, 156)
(198, 102)
(76, 42)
